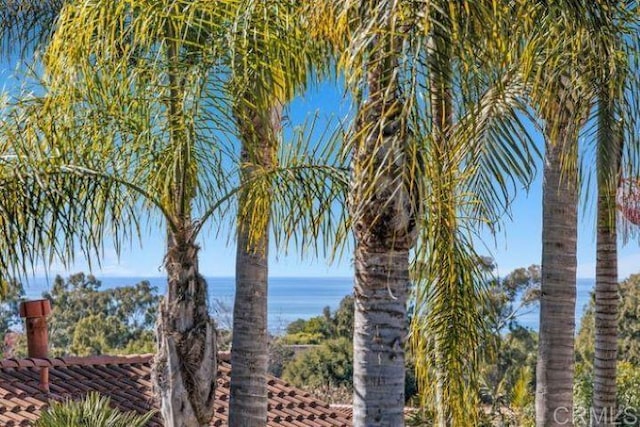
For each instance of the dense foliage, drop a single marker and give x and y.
(628, 377)
(320, 328)
(324, 363)
(325, 354)
(87, 319)
(9, 318)
(508, 353)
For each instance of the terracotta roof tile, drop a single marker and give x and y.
(127, 380)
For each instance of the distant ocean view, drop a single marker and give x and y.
(290, 298)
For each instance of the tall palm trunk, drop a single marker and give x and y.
(606, 304)
(249, 350)
(185, 365)
(555, 370)
(384, 230)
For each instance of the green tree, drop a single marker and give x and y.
(132, 139)
(509, 356)
(86, 319)
(320, 328)
(92, 410)
(615, 88)
(628, 353)
(268, 70)
(329, 364)
(628, 325)
(10, 322)
(405, 149)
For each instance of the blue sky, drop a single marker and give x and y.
(518, 243)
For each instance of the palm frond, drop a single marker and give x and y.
(26, 25)
(94, 410)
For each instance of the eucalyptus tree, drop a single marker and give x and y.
(128, 128)
(408, 165)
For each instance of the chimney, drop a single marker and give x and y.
(35, 314)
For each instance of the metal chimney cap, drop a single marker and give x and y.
(35, 308)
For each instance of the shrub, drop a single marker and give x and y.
(92, 411)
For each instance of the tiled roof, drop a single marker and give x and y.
(347, 410)
(126, 379)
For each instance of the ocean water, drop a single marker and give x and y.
(291, 298)
(530, 317)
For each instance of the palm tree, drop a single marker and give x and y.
(558, 289)
(558, 94)
(272, 66)
(403, 182)
(563, 96)
(141, 88)
(615, 84)
(475, 129)
(124, 127)
(606, 295)
(383, 213)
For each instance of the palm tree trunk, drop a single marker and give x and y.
(185, 368)
(606, 304)
(381, 282)
(555, 370)
(384, 227)
(249, 355)
(249, 350)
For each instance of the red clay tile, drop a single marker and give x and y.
(126, 379)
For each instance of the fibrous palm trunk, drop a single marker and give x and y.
(555, 370)
(249, 350)
(185, 366)
(606, 303)
(384, 228)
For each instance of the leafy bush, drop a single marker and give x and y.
(328, 326)
(628, 393)
(92, 411)
(328, 364)
(303, 338)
